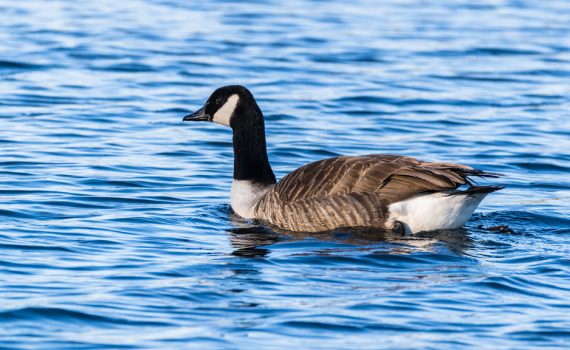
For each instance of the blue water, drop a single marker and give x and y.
(115, 229)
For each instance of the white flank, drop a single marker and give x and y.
(245, 195)
(223, 115)
(435, 211)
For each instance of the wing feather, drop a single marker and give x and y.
(391, 177)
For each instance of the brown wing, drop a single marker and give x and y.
(392, 178)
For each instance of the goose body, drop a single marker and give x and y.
(387, 192)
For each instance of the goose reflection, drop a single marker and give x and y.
(254, 240)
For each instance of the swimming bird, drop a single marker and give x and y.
(387, 192)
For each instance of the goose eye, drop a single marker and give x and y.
(219, 101)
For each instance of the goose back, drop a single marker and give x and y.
(355, 191)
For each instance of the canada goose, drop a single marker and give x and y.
(387, 192)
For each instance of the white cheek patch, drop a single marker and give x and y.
(223, 115)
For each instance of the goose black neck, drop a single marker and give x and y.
(250, 151)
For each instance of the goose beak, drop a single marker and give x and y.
(197, 116)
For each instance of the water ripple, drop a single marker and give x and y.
(115, 216)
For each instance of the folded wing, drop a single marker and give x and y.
(355, 191)
(393, 178)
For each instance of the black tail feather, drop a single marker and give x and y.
(480, 189)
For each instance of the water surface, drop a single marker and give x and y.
(115, 229)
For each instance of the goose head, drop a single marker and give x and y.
(234, 106)
(229, 105)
